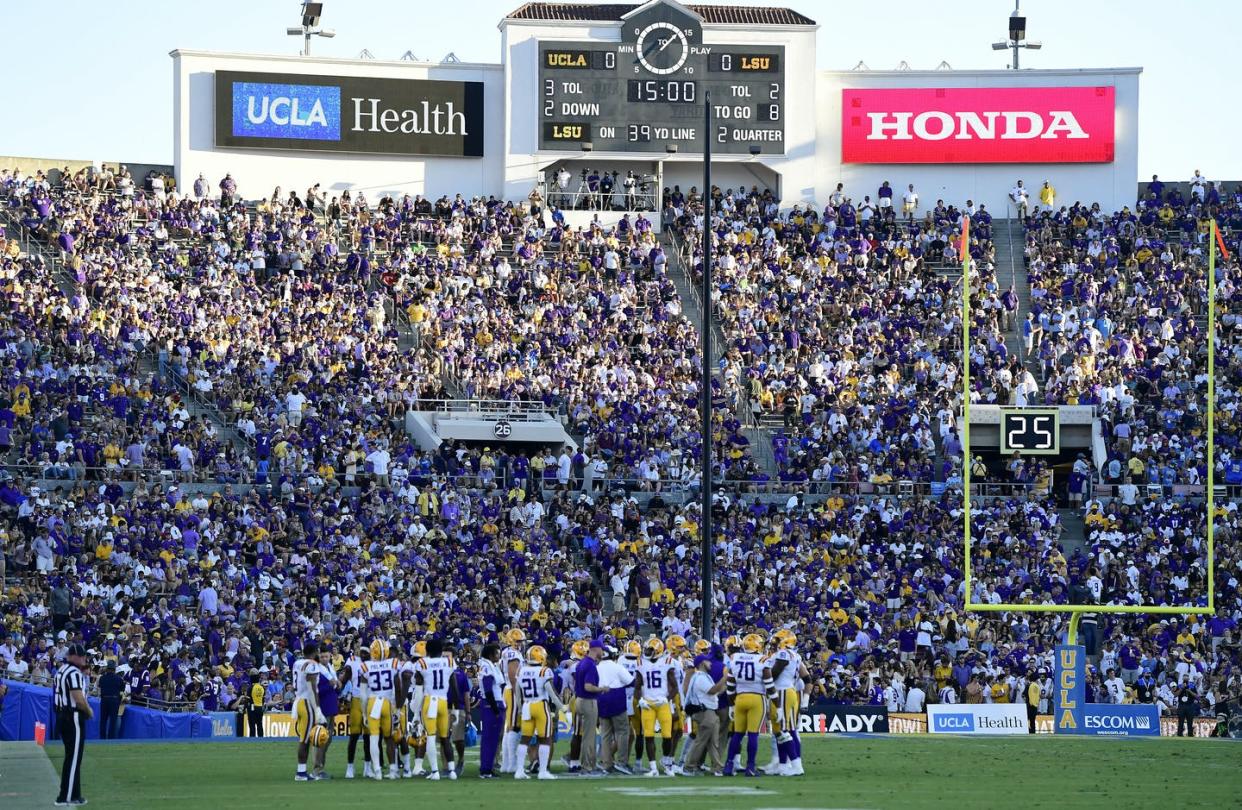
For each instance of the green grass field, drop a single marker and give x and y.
(880, 772)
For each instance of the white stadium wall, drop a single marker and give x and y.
(806, 171)
(258, 171)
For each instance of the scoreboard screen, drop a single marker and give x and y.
(646, 92)
(1033, 431)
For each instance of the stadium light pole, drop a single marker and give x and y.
(705, 476)
(311, 12)
(1017, 36)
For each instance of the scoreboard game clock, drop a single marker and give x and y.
(646, 92)
(1030, 431)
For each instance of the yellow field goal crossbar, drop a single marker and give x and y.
(1078, 610)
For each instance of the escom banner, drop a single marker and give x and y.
(978, 125)
(349, 114)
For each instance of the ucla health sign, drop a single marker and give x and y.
(977, 718)
(349, 114)
(978, 125)
(298, 111)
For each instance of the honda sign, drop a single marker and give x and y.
(978, 125)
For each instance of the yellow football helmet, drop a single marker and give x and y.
(537, 655)
(379, 649)
(785, 639)
(732, 644)
(516, 637)
(420, 649)
(702, 647)
(654, 647)
(752, 643)
(319, 736)
(579, 649)
(676, 644)
(633, 648)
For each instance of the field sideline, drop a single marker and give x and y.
(842, 772)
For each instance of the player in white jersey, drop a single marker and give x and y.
(675, 653)
(788, 671)
(633, 651)
(492, 708)
(656, 687)
(510, 663)
(356, 702)
(750, 679)
(413, 742)
(430, 693)
(539, 704)
(306, 712)
(380, 685)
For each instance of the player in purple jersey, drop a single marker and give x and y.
(329, 704)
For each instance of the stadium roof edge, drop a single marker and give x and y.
(330, 60)
(711, 14)
(986, 72)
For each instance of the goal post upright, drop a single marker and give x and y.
(1075, 611)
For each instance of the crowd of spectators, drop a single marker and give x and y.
(281, 325)
(1118, 320)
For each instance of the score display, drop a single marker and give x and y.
(646, 94)
(1030, 431)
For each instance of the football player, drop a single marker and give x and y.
(510, 663)
(633, 651)
(576, 653)
(306, 712)
(539, 704)
(410, 723)
(749, 680)
(492, 709)
(676, 652)
(329, 685)
(432, 689)
(655, 691)
(787, 670)
(352, 676)
(380, 682)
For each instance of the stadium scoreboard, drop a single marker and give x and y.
(646, 92)
(1030, 431)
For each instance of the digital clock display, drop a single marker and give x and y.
(1030, 431)
(671, 91)
(646, 92)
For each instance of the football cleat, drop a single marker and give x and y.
(349, 771)
(520, 774)
(434, 776)
(452, 774)
(547, 775)
(303, 777)
(624, 770)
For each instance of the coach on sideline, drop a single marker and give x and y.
(72, 712)
(586, 706)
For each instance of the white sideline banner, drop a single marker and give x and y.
(977, 718)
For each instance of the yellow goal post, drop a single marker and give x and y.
(1076, 611)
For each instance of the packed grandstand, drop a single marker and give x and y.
(208, 462)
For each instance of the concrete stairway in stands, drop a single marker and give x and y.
(1074, 537)
(692, 307)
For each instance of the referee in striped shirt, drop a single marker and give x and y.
(72, 712)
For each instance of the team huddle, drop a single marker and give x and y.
(414, 713)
